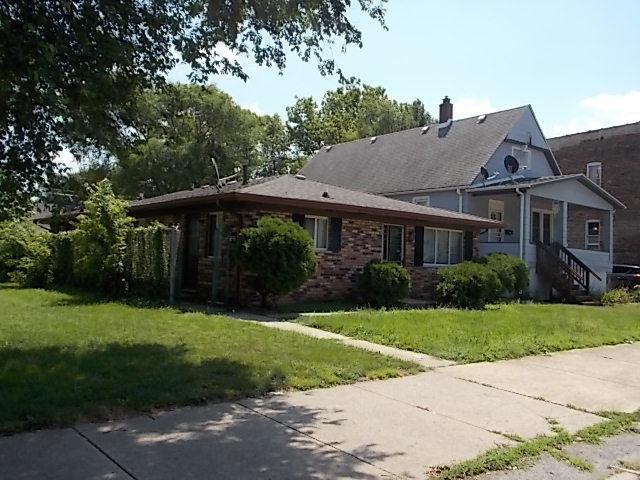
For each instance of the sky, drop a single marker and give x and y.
(577, 62)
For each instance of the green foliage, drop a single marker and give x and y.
(63, 257)
(147, 260)
(279, 253)
(468, 285)
(100, 240)
(512, 271)
(80, 66)
(617, 296)
(384, 283)
(14, 239)
(35, 267)
(349, 113)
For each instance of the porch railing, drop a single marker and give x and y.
(562, 267)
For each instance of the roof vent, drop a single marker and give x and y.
(325, 194)
(329, 147)
(299, 176)
(373, 139)
(482, 118)
(424, 129)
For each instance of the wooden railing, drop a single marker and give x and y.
(562, 267)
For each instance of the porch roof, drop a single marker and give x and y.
(293, 193)
(532, 183)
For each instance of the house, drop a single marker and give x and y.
(609, 157)
(349, 228)
(497, 165)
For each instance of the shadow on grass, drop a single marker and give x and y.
(45, 387)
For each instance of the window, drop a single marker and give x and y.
(214, 234)
(594, 172)
(541, 226)
(318, 228)
(523, 155)
(393, 243)
(496, 212)
(441, 247)
(592, 235)
(424, 201)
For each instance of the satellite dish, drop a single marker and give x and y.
(511, 164)
(484, 172)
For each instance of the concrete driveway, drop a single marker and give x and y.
(379, 429)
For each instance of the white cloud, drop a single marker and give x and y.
(464, 107)
(254, 107)
(603, 110)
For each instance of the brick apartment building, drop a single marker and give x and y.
(611, 158)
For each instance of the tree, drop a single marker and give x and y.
(71, 71)
(182, 129)
(350, 113)
(279, 253)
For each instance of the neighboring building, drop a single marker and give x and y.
(561, 225)
(610, 157)
(349, 229)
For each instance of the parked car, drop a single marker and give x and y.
(626, 276)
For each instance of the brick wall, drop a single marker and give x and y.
(620, 158)
(577, 217)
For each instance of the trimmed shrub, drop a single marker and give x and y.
(512, 272)
(468, 285)
(384, 283)
(617, 296)
(35, 268)
(279, 253)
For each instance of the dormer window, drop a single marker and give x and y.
(523, 155)
(594, 172)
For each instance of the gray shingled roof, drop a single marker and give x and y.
(410, 160)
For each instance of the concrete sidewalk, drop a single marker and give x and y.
(395, 428)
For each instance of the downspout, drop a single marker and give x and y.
(522, 220)
(459, 192)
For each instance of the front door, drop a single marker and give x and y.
(542, 226)
(190, 273)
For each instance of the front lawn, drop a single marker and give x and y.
(504, 331)
(66, 358)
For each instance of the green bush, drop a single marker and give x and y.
(14, 239)
(279, 253)
(35, 268)
(100, 240)
(617, 296)
(147, 260)
(512, 272)
(468, 285)
(384, 283)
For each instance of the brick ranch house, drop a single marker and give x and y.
(348, 228)
(610, 157)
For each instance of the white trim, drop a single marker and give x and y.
(401, 242)
(586, 234)
(541, 210)
(425, 199)
(599, 171)
(435, 249)
(496, 235)
(315, 231)
(526, 163)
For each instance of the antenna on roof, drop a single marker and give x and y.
(484, 172)
(511, 164)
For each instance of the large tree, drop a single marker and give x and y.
(349, 113)
(71, 70)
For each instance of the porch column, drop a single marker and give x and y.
(611, 212)
(526, 224)
(565, 219)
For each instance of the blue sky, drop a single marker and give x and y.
(576, 61)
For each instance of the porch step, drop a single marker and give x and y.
(584, 299)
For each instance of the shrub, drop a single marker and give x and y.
(100, 240)
(279, 252)
(468, 285)
(512, 271)
(35, 268)
(147, 260)
(616, 296)
(14, 239)
(384, 283)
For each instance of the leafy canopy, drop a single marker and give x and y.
(71, 70)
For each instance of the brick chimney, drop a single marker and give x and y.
(446, 110)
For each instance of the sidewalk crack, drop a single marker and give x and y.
(103, 452)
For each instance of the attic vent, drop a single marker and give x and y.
(482, 118)
(373, 139)
(424, 130)
(325, 194)
(299, 176)
(329, 147)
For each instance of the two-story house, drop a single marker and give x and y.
(497, 165)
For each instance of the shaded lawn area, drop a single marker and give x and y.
(66, 358)
(503, 331)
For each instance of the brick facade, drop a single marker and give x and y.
(577, 217)
(618, 149)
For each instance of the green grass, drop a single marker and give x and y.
(68, 357)
(498, 332)
(525, 453)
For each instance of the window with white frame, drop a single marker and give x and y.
(523, 155)
(393, 243)
(318, 228)
(594, 172)
(592, 235)
(425, 200)
(441, 247)
(496, 212)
